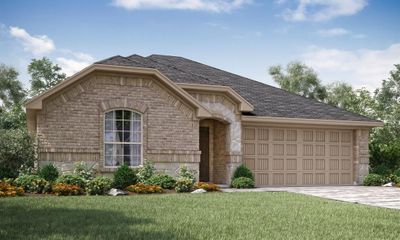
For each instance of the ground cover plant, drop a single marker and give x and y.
(265, 215)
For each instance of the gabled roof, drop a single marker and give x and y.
(267, 101)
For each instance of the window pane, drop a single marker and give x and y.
(127, 125)
(135, 160)
(119, 149)
(118, 114)
(109, 149)
(135, 116)
(127, 136)
(109, 161)
(127, 160)
(109, 125)
(119, 160)
(136, 151)
(119, 136)
(127, 115)
(118, 125)
(136, 137)
(109, 137)
(136, 126)
(109, 115)
(127, 149)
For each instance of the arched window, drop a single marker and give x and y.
(122, 138)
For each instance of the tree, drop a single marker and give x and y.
(11, 91)
(44, 75)
(300, 79)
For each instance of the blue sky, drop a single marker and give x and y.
(354, 41)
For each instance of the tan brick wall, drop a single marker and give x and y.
(70, 125)
(361, 155)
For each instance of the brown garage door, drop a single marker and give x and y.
(298, 157)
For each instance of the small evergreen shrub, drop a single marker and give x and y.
(184, 172)
(243, 182)
(83, 171)
(373, 179)
(163, 180)
(209, 187)
(184, 184)
(123, 177)
(32, 184)
(49, 173)
(142, 188)
(145, 172)
(98, 186)
(7, 190)
(72, 179)
(62, 189)
(243, 171)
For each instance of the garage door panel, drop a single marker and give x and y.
(296, 157)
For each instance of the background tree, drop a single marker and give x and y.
(11, 91)
(300, 79)
(44, 75)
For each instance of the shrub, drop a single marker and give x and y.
(243, 182)
(98, 186)
(72, 179)
(7, 190)
(381, 170)
(243, 171)
(184, 172)
(49, 173)
(397, 172)
(142, 188)
(83, 171)
(163, 180)
(145, 172)
(373, 179)
(209, 187)
(184, 184)
(17, 149)
(123, 177)
(33, 184)
(384, 153)
(62, 189)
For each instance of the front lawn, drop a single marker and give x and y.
(194, 216)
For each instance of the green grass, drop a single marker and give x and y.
(265, 215)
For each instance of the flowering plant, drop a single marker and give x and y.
(142, 188)
(7, 190)
(62, 189)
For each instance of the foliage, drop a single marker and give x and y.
(123, 177)
(299, 79)
(184, 172)
(17, 148)
(44, 75)
(384, 157)
(11, 91)
(209, 187)
(163, 180)
(32, 184)
(373, 179)
(83, 171)
(62, 189)
(98, 186)
(243, 171)
(49, 172)
(145, 172)
(13, 117)
(184, 184)
(242, 182)
(381, 170)
(72, 179)
(7, 190)
(142, 188)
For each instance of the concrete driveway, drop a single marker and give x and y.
(387, 197)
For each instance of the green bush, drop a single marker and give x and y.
(163, 180)
(17, 149)
(381, 170)
(184, 184)
(49, 172)
(72, 179)
(184, 172)
(98, 186)
(83, 171)
(145, 172)
(32, 184)
(385, 154)
(373, 179)
(243, 182)
(397, 172)
(123, 177)
(243, 171)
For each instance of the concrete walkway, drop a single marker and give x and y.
(387, 197)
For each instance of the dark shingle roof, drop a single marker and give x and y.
(267, 100)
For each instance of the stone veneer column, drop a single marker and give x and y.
(361, 155)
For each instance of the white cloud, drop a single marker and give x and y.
(37, 45)
(75, 62)
(361, 68)
(322, 10)
(333, 32)
(200, 5)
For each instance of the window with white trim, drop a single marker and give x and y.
(122, 138)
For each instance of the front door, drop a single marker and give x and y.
(204, 157)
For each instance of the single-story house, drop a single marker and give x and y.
(175, 111)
